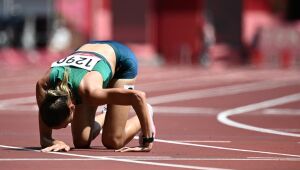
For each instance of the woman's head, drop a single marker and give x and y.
(57, 108)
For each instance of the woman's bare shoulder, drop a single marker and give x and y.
(90, 82)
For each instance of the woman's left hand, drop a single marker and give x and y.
(136, 149)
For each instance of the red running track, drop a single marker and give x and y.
(235, 119)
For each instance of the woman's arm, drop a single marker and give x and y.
(119, 96)
(41, 88)
(46, 140)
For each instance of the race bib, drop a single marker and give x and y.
(86, 62)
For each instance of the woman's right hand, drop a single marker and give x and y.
(59, 146)
(146, 148)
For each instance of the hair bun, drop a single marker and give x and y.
(54, 94)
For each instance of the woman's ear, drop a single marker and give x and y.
(72, 107)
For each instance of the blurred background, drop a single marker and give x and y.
(217, 34)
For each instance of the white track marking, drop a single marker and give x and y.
(187, 81)
(17, 89)
(273, 159)
(163, 74)
(219, 91)
(21, 108)
(287, 130)
(208, 79)
(202, 141)
(16, 104)
(185, 110)
(216, 93)
(15, 101)
(284, 112)
(223, 117)
(156, 158)
(119, 160)
(47, 159)
(158, 164)
(9, 104)
(225, 148)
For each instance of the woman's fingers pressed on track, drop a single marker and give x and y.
(57, 148)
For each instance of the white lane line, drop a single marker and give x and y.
(158, 164)
(290, 130)
(273, 158)
(119, 160)
(185, 110)
(144, 158)
(9, 104)
(187, 82)
(219, 91)
(165, 74)
(284, 112)
(48, 159)
(155, 159)
(169, 142)
(202, 141)
(17, 90)
(223, 117)
(207, 79)
(15, 101)
(225, 148)
(20, 108)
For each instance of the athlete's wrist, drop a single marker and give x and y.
(147, 140)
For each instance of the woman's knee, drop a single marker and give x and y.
(81, 144)
(83, 139)
(112, 142)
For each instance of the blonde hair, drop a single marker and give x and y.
(62, 89)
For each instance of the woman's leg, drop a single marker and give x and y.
(118, 130)
(85, 126)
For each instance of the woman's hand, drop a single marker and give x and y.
(136, 149)
(59, 146)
